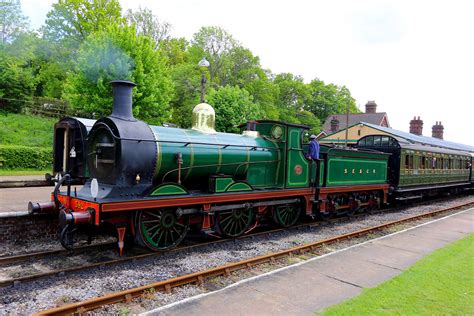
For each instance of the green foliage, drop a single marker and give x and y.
(17, 83)
(309, 119)
(72, 21)
(118, 53)
(292, 91)
(327, 99)
(440, 284)
(148, 24)
(233, 106)
(187, 80)
(216, 45)
(22, 157)
(31, 131)
(12, 21)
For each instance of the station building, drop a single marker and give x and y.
(335, 125)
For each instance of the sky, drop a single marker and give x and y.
(413, 58)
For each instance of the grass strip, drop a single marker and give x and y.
(442, 283)
(23, 172)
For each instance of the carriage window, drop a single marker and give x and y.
(408, 161)
(377, 140)
(423, 162)
(393, 142)
(370, 141)
(362, 142)
(384, 141)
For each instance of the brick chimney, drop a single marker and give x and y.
(437, 130)
(371, 107)
(416, 126)
(334, 124)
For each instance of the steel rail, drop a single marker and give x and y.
(199, 277)
(61, 252)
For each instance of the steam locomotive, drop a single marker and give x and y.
(156, 183)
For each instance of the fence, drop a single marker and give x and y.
(46, 107)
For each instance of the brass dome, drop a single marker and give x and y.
(204, 118)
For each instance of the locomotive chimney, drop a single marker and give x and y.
(122, 104)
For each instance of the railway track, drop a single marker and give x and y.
(226, 270)
(138, 254)
(4, 261)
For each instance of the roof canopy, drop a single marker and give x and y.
(412, 138)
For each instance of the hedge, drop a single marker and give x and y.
(23, 157)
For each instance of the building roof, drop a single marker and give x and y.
(372, 118)
(412, 138)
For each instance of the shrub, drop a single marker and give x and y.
(23, 157)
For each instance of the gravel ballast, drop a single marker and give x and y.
(43, 294)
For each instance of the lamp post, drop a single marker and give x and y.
(204, 64)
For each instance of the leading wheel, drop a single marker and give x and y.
(67, 236)
(235, 222)
(161, 229)
(286, 215)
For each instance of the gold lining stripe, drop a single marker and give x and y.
(191, 161)
(158, 153)
(277, 174)
(248, 156)
(219, 152)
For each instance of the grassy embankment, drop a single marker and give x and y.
(440, 284)
(28, 131)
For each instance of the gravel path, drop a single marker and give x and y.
(48, 293)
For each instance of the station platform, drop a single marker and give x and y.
(38, 177)
(313, 285)
(15, 200)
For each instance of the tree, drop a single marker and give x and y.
(12, 21)
(17, 83)
(45, 60)
(118, 53)
(326, 99)
(309, 119)
(73, 20)
(292, 91)
(233, 107)
(149, 25)
(215, 44)
(187, 80)
(264, 94)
